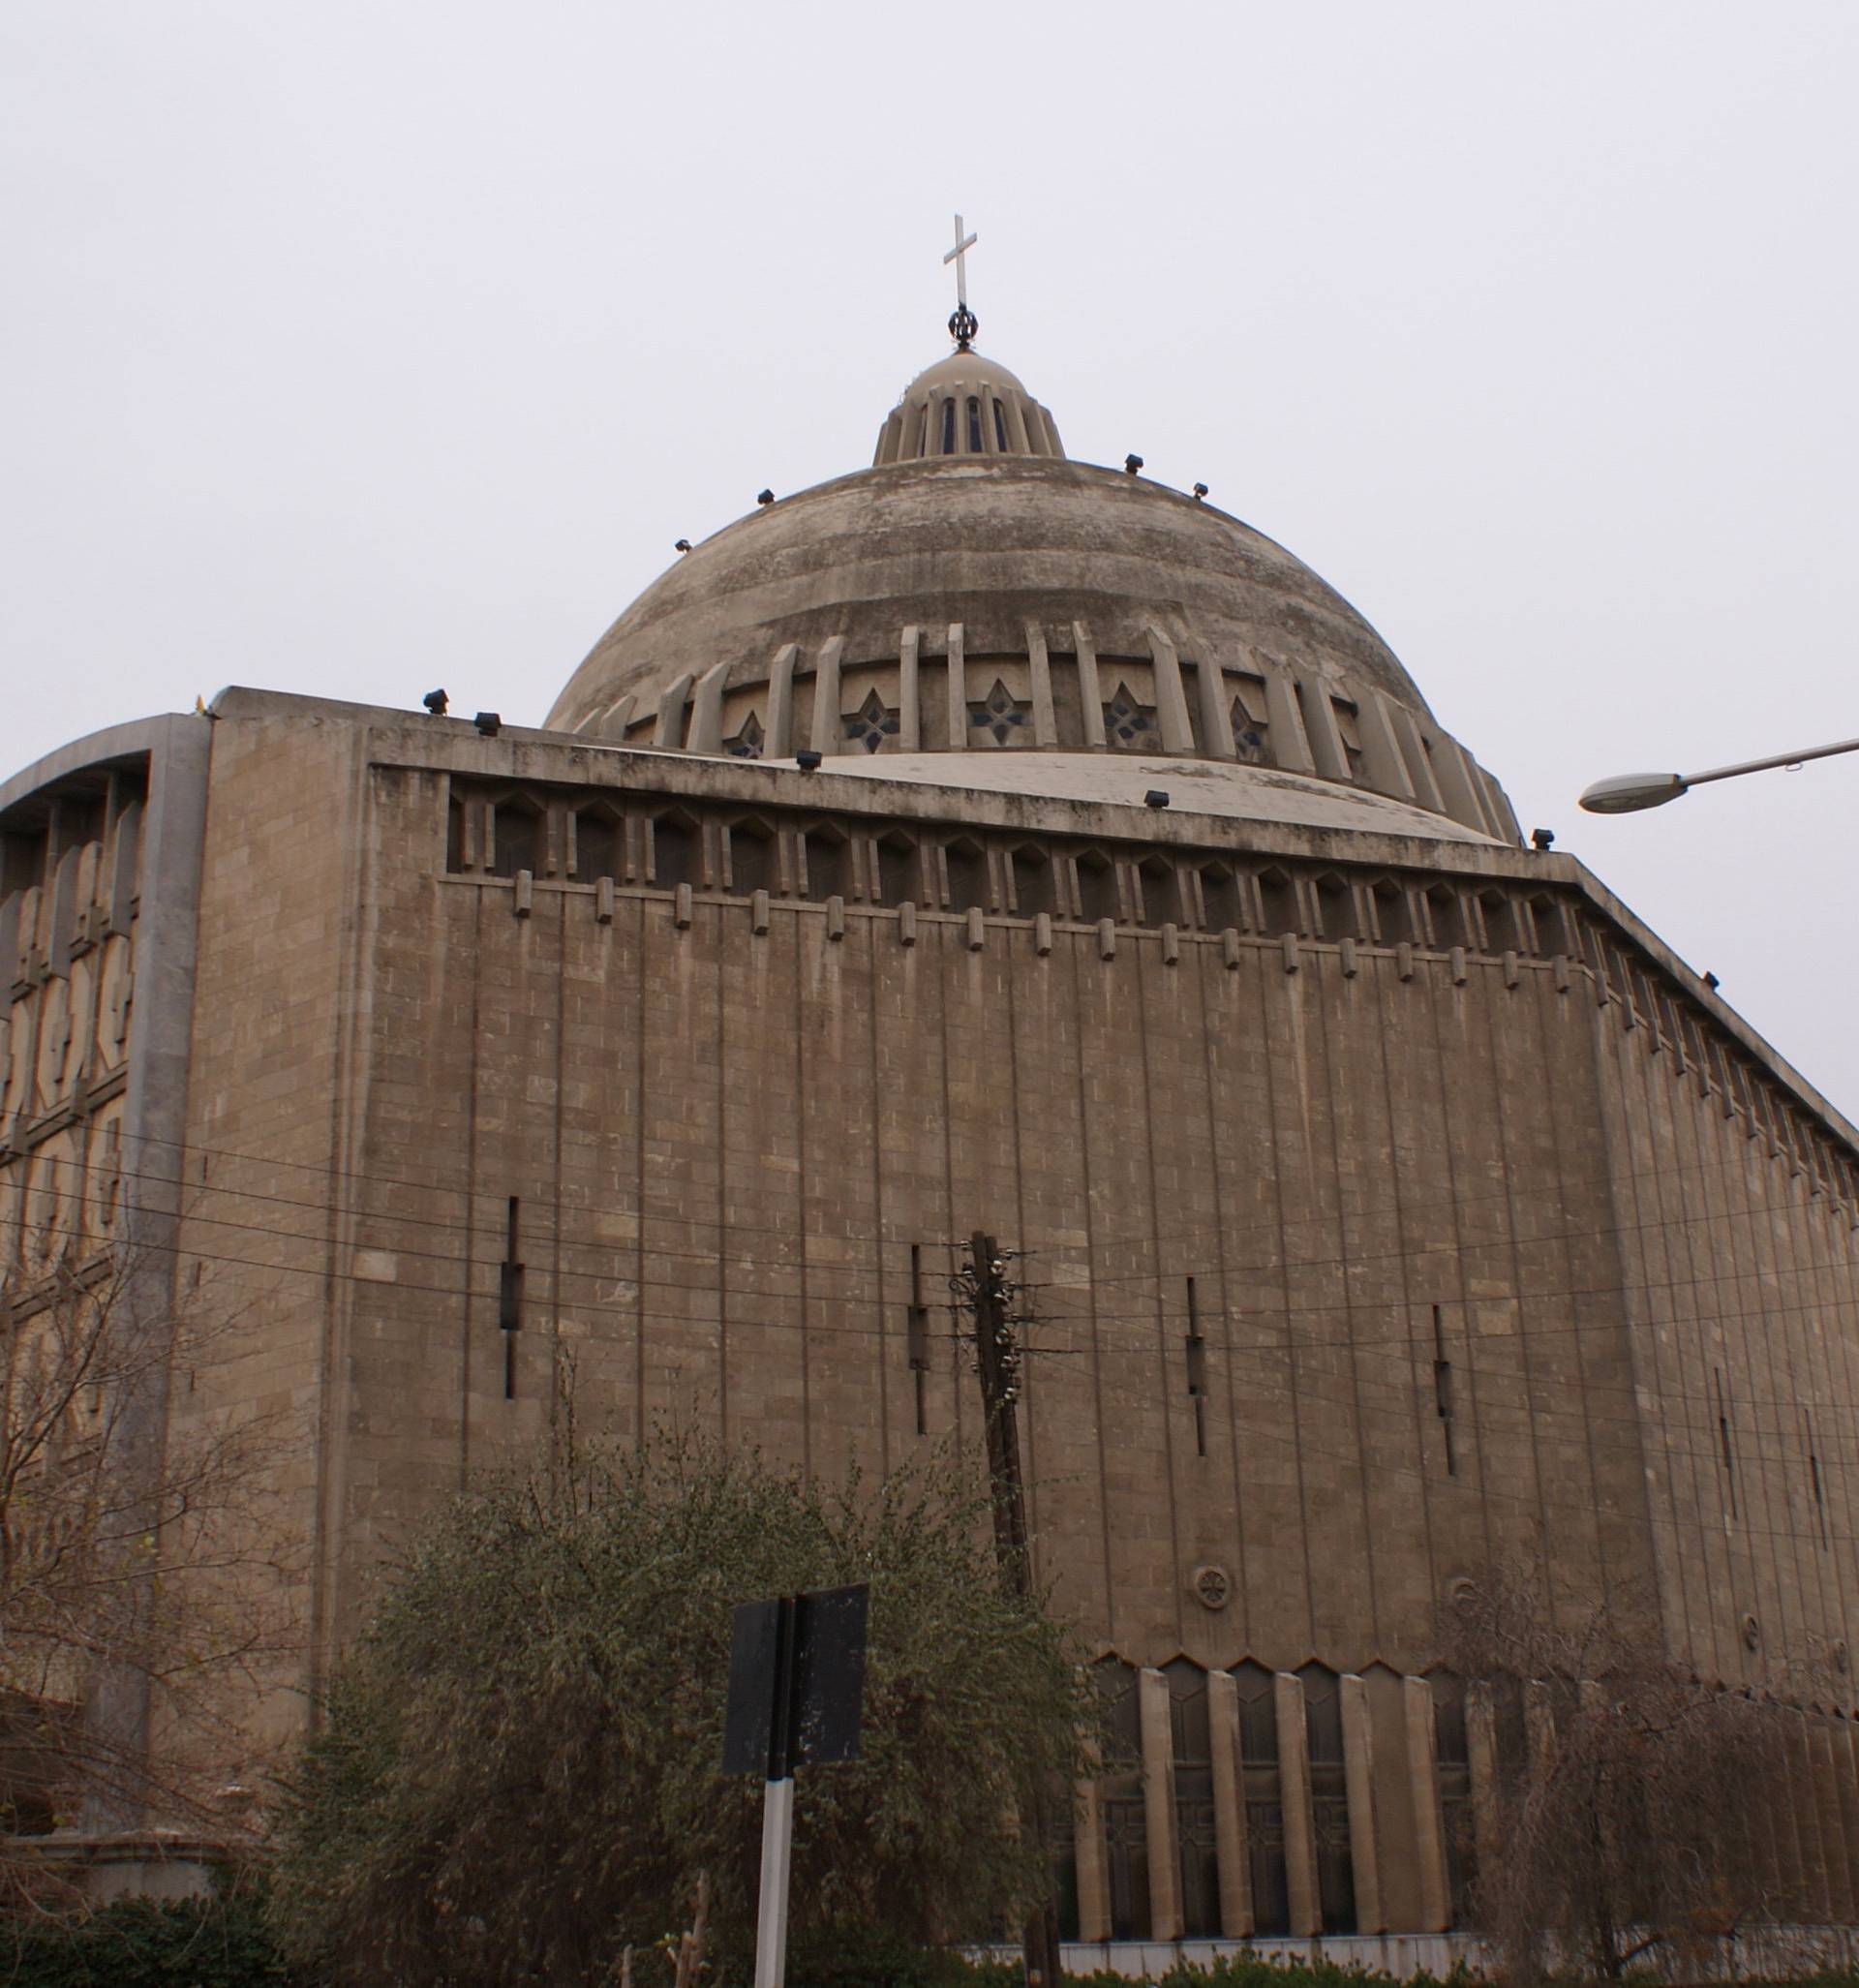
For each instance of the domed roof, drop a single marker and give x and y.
(966, 405)
(971, 599)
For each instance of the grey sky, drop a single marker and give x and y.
(355, 349)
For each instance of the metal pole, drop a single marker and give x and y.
(778, 1849)
(777, 1815)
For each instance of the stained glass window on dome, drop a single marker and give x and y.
(1000, 714)
(1128, 724)
(872, 723)
(747, 742)
(1248, 740)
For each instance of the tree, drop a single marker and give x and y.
(1629, 1787)
(139, 1584)
(517, 1774)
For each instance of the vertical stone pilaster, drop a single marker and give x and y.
(1358, 1784)
(1481, 1759)
(1170, 701)
(1429, 1816)
(1232, 1848)
(956, 688)
(706, 734)
(1216, 711)
(829, 734)
(1090, 693)
(779, 743)
(1325, 734)
(909, 710)
(1158, 1806)
(1284, 722)
(1040, 670)
(672, 703)
(1294, 1798)
(1092, 1857)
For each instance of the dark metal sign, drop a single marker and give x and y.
(796, 1682)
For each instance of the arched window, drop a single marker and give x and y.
(948, 427)
(1264, 1797)
(1000, 427)
(751, 858)
(967, 864)
(896, 870)
(1125, 1821)
(596, 845)
(1328, 1797)
(1032, 872)
(1193, 1743)
(516, 836)
(674, 852)
(974, 426)
(1096, 887)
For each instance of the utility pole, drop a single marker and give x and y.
(997, 1365)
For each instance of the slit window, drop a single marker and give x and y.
(948, 427)
(974, 426)
(1000, 427)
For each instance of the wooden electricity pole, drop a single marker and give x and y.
(998, 1364)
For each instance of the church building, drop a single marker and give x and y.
(982, 840)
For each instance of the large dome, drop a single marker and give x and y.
(991, 599)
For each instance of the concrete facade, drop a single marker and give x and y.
(1399, 1203)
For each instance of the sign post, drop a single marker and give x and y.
(796, 1696)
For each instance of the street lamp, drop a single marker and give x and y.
(1625, 793)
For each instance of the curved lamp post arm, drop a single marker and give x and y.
(1627, 792)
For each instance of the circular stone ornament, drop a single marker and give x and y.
(1212, 1586)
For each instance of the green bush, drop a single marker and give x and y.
(221, 1941)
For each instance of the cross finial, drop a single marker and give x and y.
(962, 326)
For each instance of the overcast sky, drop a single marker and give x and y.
(354, 349)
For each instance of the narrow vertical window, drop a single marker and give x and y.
(1728, 1451)
(1191, 1735)
(916, 1338)
(509, 1299)
(1329, 1797)
(1000, 427)
(974, 426)
(1443, 1391)
(1196, 1373)
(948, 427)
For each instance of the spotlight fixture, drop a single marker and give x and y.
(435, 702)
(682, 546)
(808, 762)
(1543, 838)
(1710, 981)
(1131, 463)
(765, 497)
(1200, 491)
(1156, 797)
(489, 723)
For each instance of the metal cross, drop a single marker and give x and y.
(963, 243)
